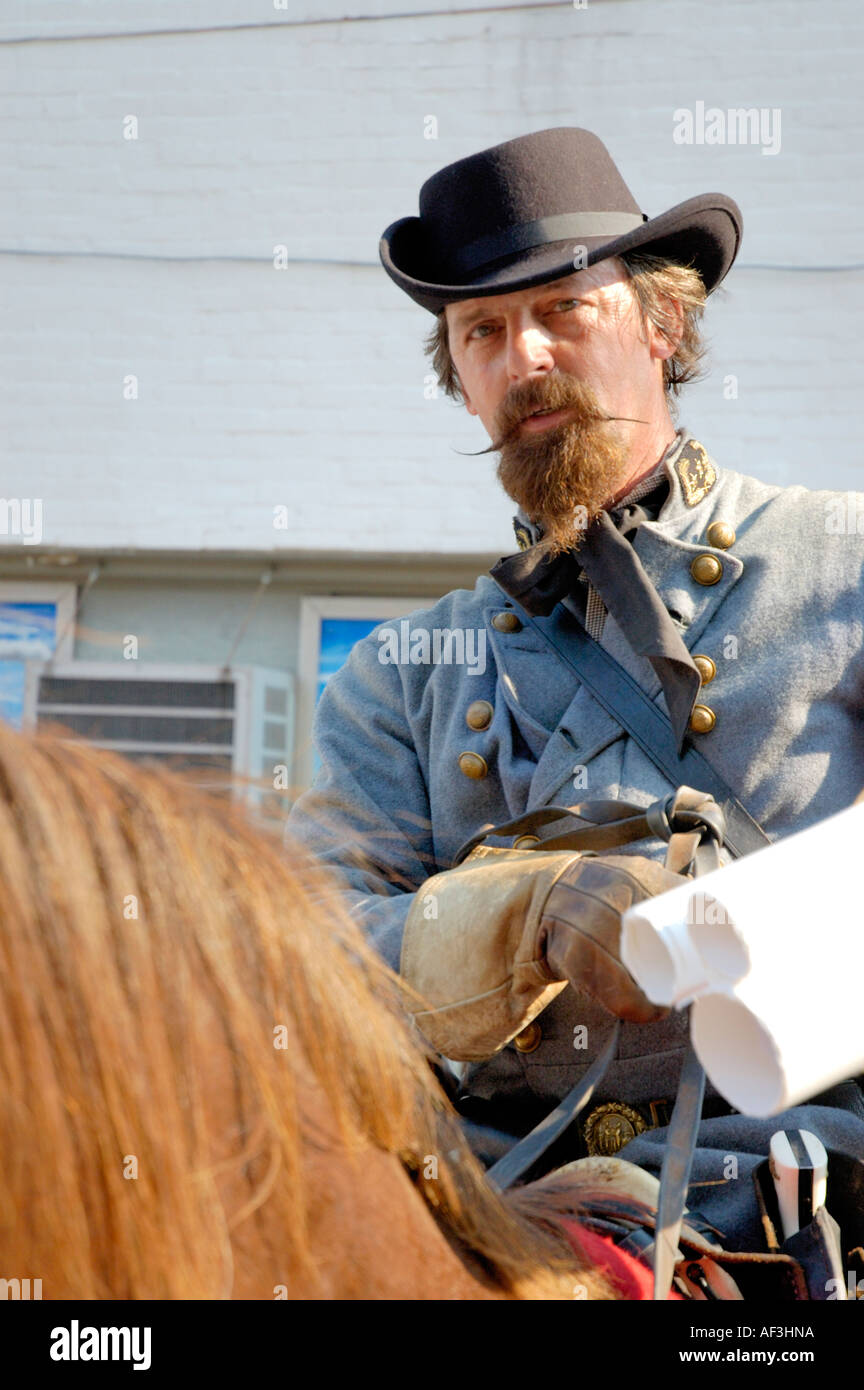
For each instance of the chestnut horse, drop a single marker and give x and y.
(208, 1087)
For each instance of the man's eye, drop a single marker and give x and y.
(563, 306)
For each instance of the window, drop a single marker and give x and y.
(36, 622)
(329, 628)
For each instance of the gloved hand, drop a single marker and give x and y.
(489, 944)
(579, 935)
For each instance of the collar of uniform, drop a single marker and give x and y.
(691, 473)
(692, 476)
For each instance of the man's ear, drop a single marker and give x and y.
(660, 345)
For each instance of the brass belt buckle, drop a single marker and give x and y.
(610, 1126)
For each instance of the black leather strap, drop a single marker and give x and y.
(520, 1158)
(645, 722)
(675, 1171)
(605, 825)
(689, 820)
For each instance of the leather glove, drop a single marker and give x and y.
(580, 929)
(489, 944)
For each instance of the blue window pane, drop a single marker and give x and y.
(26, 630)
(338, 636)
(12, 692)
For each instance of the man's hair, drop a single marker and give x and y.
(655, 281)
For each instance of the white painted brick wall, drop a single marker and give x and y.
(304, 386)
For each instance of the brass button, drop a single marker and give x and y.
(473, 765)
(609, 1127)
(478, 715)
(720, 534)
(703, 719)
(706, 569)
(529, 1039)
(506, 622)
(705, 666)
(526, 841)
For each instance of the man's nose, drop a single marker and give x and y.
(529, 349)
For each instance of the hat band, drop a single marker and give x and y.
(539, 233)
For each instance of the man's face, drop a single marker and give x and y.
(578, 347)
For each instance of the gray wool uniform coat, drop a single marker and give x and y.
(784, 626)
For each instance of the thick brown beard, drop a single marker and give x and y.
(551, 473)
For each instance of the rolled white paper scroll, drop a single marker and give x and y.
(771, 949)
(671, 945)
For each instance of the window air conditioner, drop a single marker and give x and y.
(233, 733)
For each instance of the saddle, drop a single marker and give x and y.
(619, 1201)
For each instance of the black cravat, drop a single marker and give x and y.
(606, 555)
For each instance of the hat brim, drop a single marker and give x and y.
(704, 232)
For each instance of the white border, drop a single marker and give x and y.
(312, 610)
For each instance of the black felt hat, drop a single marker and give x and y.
(517, 215)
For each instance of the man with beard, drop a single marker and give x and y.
(567, 320)
(563, 456)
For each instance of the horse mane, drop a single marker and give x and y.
(143, 921)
